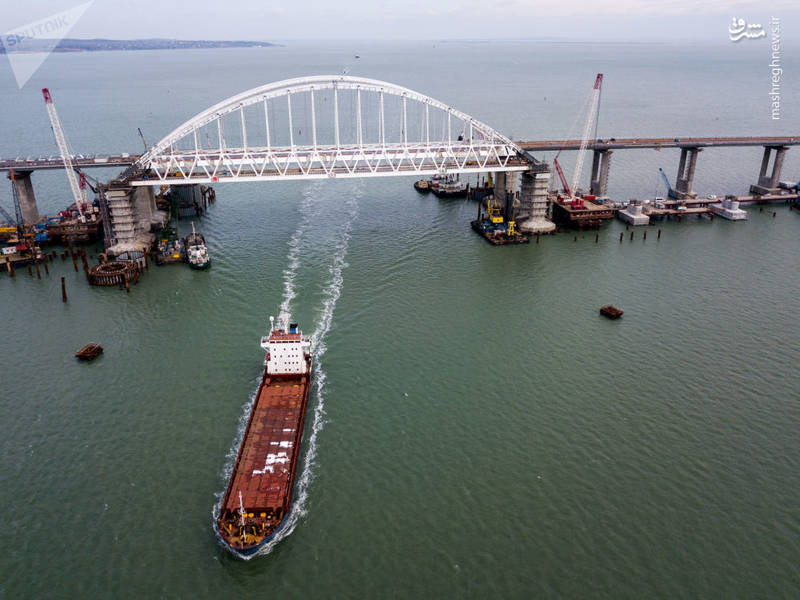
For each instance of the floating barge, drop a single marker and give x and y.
(89, 352)
(580, 213)
(495, 228)
(498, 236)
(259, 493)
(610, 311)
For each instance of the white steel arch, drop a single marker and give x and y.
(237, 140)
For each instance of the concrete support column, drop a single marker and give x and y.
(143, 201)
(768, 182)
(764, 162)
(532, 210)
(686, 169)
(27, 198)
(600, 166)
(595, 167)
(499, 188)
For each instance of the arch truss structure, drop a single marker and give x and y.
(324, 127)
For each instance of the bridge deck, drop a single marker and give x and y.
(688, 142)
(124, 160)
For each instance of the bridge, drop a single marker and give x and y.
(354, 127)
(333, 126)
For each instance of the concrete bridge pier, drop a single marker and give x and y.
(601, 162)
(27, 198)
(131, 212)
(532, 210)
(686, 168)
(768, 184)
(505, 189)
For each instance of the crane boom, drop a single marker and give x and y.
(666, 180)
(561, 176)
(590, 119)
(62, 147)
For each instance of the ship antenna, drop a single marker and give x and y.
(271, 323)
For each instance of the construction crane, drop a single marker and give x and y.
(141, 135)
(590, 120)
(670, 191)
(561, 176)
(61, 142)
(17, 223)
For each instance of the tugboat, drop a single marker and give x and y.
(423, 186)
(259, 493)
(196, 250)
(449, 188)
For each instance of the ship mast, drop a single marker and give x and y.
(241, 509)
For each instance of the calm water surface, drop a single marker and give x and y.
(478, 430)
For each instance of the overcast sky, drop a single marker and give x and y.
(280, 20)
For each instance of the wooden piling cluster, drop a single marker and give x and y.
(121, 273)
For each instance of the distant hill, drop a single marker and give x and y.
(76, 45)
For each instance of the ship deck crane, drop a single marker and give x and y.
(61, 142)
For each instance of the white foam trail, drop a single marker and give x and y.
(310, 210)
(331, 295)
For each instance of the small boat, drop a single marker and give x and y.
(423, 186)
(449, 188)
(196, 250)
(89, 352)
(612, 312)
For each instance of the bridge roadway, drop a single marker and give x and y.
(688, 142)
(125, 159)
(55, 162)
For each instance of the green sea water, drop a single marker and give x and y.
(477, 430)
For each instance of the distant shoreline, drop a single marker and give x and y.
(13, 45)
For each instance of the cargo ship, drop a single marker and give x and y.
(259, 494)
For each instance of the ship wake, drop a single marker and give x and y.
(311, 211)
(330, 296)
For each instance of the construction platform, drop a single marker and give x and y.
(633, 214)
(587, 214)
(497, 235)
